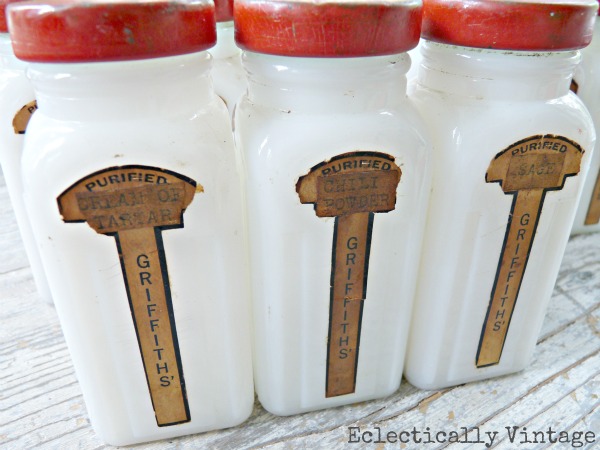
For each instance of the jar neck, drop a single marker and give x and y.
(142, 88)
(326, 84)
(8, 60)
(496, 74)
(225, 47)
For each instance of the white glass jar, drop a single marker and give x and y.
(17, 103)
(327, 132)
(415, 63)
(228, 74)
(512, 146)
(586, 84)
(133, 189)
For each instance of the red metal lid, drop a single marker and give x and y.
(532, 25)
(327, 28)
(110, 30)
(3, 5)
(224, 9)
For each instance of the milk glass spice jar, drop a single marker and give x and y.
(512, 146)
(133, 190)
(17, 104)
(227, 71)
(337, 184)
(586, 84)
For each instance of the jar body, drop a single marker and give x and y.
(96, 122)
(17, 99)
(486, 106)
(586, 76)
(300, 117)
(227, 72)
(415, 63)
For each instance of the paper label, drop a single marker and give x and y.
(574, 86)
(21, 119)
(134, 204)
(527, 170)
(352, 188)
(593, 213)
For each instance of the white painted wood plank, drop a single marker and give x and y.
(564, 418)
(590, 422)
(562, 311)
(543, 406)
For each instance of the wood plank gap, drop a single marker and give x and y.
(40, 444)
(36, 335)
(78, 397)
(587, 312)
(419, 405)
(594, 411)
(531, 391)
(40, 367)
(45, 393)
(16, 269)
(26, 386)
(50, 341)
(570, 427)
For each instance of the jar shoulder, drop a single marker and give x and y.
(15, 92)
(289, 134)
(199, 144)
(454, 119)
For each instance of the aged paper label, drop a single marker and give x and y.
(147, 206)
(134, 204)
(352, 188)
(21, 119)
(527, 170)
(574, 86)
(363, 191)
(593, 213)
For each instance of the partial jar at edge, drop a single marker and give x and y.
(17, 103)
(337, 163)
(512, 147)
(586, 84)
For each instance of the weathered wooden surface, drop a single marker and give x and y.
(41, 404)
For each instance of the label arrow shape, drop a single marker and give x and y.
(527, 170)
(134, 204)
(352, 188)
